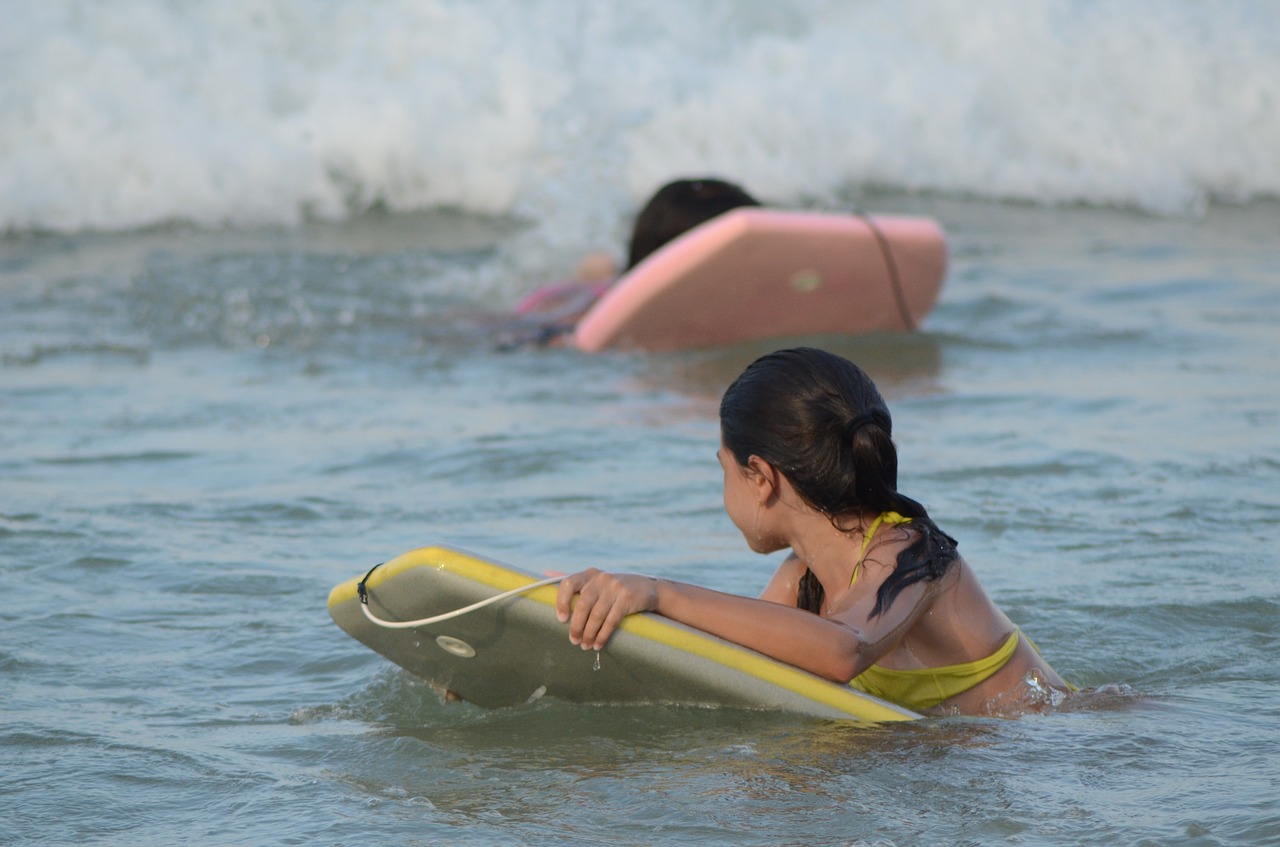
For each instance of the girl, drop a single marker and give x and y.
(673, 210)
(873, 594)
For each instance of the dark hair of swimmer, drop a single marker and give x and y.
(820, 420)
(678, 207)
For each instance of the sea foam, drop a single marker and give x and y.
(248, 112)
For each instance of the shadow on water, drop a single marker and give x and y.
(399, 705)
(901, 364)
(701, 773)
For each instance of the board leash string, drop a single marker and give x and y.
(363, 591)
(904, 311)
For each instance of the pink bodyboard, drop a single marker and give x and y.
(753, 273)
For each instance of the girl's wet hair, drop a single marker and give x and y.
(820, 420)
(678, 207)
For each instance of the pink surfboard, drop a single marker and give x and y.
(753, 273)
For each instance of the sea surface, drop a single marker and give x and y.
(251, 262)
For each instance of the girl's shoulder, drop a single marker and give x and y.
(886, 542)
(793, 569)
(784, 587)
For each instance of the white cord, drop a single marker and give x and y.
(457, 612)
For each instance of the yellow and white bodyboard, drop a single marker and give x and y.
(515, 650)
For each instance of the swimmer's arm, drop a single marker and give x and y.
(808, 641)
(877, 635)
(820, 646)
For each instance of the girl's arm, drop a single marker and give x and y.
(837, 648)
(823, 647)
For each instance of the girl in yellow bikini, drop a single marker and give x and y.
(873, 594)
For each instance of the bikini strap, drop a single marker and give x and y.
(891, 518)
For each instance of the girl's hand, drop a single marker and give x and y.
(604, 599)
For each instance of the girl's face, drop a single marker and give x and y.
(742, 503)
(736, 493)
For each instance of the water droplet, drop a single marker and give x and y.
(596, 666)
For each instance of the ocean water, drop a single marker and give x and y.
(251, 256)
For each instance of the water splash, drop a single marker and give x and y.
(252, 112)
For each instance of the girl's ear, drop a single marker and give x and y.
(764, 477)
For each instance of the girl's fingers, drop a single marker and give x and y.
(597, 627)
(584, 608)
(570, 586)
(564, 599)
(611, 623)
(603, 601)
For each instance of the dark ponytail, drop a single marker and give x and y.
(820, 420)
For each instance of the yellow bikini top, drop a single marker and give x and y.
(923, 688)
(891, 518)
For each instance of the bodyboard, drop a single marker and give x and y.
(516, 650)
(755, 273)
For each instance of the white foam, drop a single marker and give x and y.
(243, 112)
